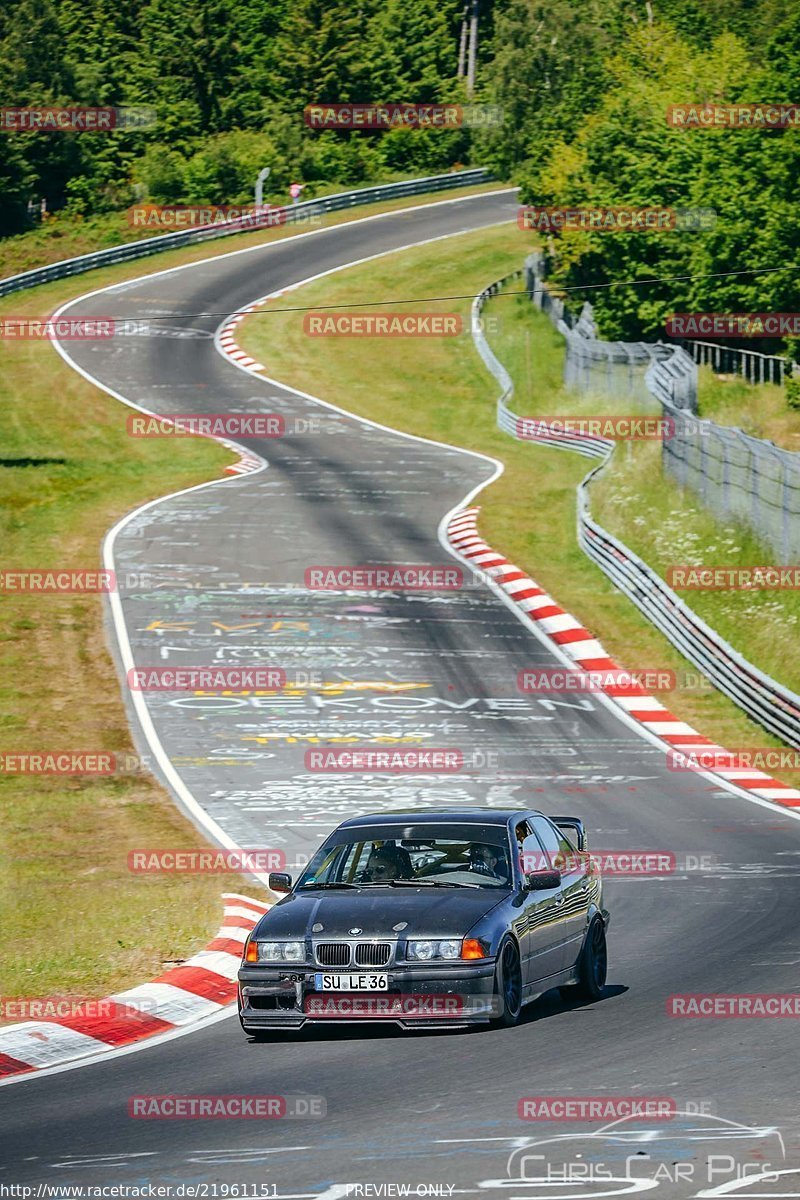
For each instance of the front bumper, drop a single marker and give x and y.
(418, 997)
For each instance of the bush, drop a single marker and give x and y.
(792, 386)
(161, 171)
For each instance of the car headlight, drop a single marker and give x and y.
(425, 950)
(281, 951)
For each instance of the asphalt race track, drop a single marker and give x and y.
(421, 1109)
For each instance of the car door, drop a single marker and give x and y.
(575, 888)
(543, 919)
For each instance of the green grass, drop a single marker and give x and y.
(439, 388)
(663, 524)
(758, 409)
(72, 919)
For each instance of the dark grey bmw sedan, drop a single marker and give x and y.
(429, 918)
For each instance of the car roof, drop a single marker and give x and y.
(427, 816)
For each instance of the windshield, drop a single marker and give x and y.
(474, 855)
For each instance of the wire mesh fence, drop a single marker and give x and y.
(737, 476)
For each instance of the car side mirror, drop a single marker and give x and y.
(542, 881)
(280, 881)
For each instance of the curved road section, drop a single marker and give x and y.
(217, 576)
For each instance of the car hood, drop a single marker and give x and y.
(376, 912)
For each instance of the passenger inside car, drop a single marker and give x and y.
(388, 862)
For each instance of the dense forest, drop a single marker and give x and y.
(584, 89)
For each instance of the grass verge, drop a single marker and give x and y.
(758, 409)
(441, 390)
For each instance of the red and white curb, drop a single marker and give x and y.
(247, 464)
(205, 984)
(578, 644)
(228, 344)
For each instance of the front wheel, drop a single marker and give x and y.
(592, 965)
(508, 986)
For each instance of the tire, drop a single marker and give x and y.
(508, 986)
(592, 966)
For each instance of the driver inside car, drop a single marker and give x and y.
(488, 860)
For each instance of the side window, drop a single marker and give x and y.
(522, 831)
(533, 858)
(549, 839)
(561, 853)
(530, 852)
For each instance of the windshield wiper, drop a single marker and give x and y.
(303, 886)
(429, 883)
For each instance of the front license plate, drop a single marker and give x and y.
(350, 983)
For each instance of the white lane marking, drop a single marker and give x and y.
(241, 1156)
(546, 1187)
(102, 1160)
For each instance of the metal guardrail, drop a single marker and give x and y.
(525, 429)
(188, 237)
(724, 360)
(766, 701)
